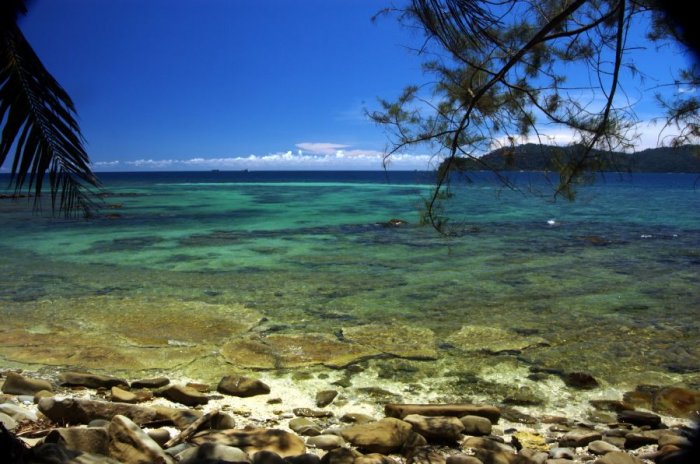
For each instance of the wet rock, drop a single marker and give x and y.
(611, 405)
(522, 396)
(306, 412)
(673, 439)
(357, 418)
(486, 444)
(222, 421)
(307, 458)
(157, 382)
(615, 441)
(436, 428)
(53, 453)
(123, 396)
(253, 440)
(86, 379)
(325, 397)
(530, 440)
(18, 413)
(601, 417)
(580, 380)
(104, 423)
(16, 384)
(639, 418)
(383, 436)
(562, 453)
(513, 415)
(634, 440)
(128, 443)
(400, 411)
(89, 440)
(183, 395)
(7, 421)
(340, 456)
(425, 455)
(325, 442)
(677, 402)
(214, 453)
(618, 457)
(476, 425)
(500, 457)
(304, 427)
(601, 447)
(537, 457)
(492, 340)
(77, 411)
(243, 387)
(462, 459)
(180, 417)
(374, 458)
(579, 437)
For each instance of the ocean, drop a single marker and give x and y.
(299, 275)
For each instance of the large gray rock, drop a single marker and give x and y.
(436, 428)
(253, 440)
(400, 411)
(88, 440)
(325, 442)
(384, 436)
(77, 411)
(17, 412)
(89, 380)
(242, 386)
(128, 443)
(16, 384)
(9, 423)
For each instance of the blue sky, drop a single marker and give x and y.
(244, 84)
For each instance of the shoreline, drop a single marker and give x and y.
(280, 403)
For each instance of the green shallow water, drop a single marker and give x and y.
(195, 269)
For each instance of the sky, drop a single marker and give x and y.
(232, 84)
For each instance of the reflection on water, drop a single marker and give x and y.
(607, 285)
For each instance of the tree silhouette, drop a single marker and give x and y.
(39, 131)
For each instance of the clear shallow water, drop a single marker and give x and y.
(198, 273)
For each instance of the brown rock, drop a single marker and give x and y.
(501, 457)
(383, 436)
(677, 402)
(454, 410)
(325, 397)
(306, 412)
(462, 459)
(17, 384)
(476, 425)
(76, 411)
(89, 440)
(86, 379)
(340, 456)
(123, 396)
(579, 437)
(529, 440)
(254, 440)
(611, 405)
(580, 380)
(485, 443)
(639, 418)
(374, 458)
(184, 395)
(436, 428)
(128, 443)
(157, 382)
(425, 455)
(243, 387)
(619, 457)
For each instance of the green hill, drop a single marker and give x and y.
(534, 157)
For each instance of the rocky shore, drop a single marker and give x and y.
(81, 417)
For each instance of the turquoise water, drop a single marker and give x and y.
(201, 273)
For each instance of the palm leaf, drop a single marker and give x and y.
(39, 128)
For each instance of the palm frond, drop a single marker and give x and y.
(38, 125)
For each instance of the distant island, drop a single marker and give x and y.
(534, 157)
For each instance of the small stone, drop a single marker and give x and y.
(383, 436)
(16, 384)
(580, 380)
(462, 459)
(86, 379)
(200, 387)
(267, 457)
(123, 396)
(639, 418)
(243, 387)
(222, 421)
(9, 423)
(530, 440)
(536, 457)
(514, 415)
(615, 441)
(160, 436)
(128, 443)
(485, 443)
(325, 442)
(157, 382)
(183, 395)
(601, 447)
(304, 427)
(579, 437)
(325, 397)
(476, 425)
(618, 457)
(306, 412)
(426, 455)
(436, 428)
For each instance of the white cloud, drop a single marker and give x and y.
(321, 148)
